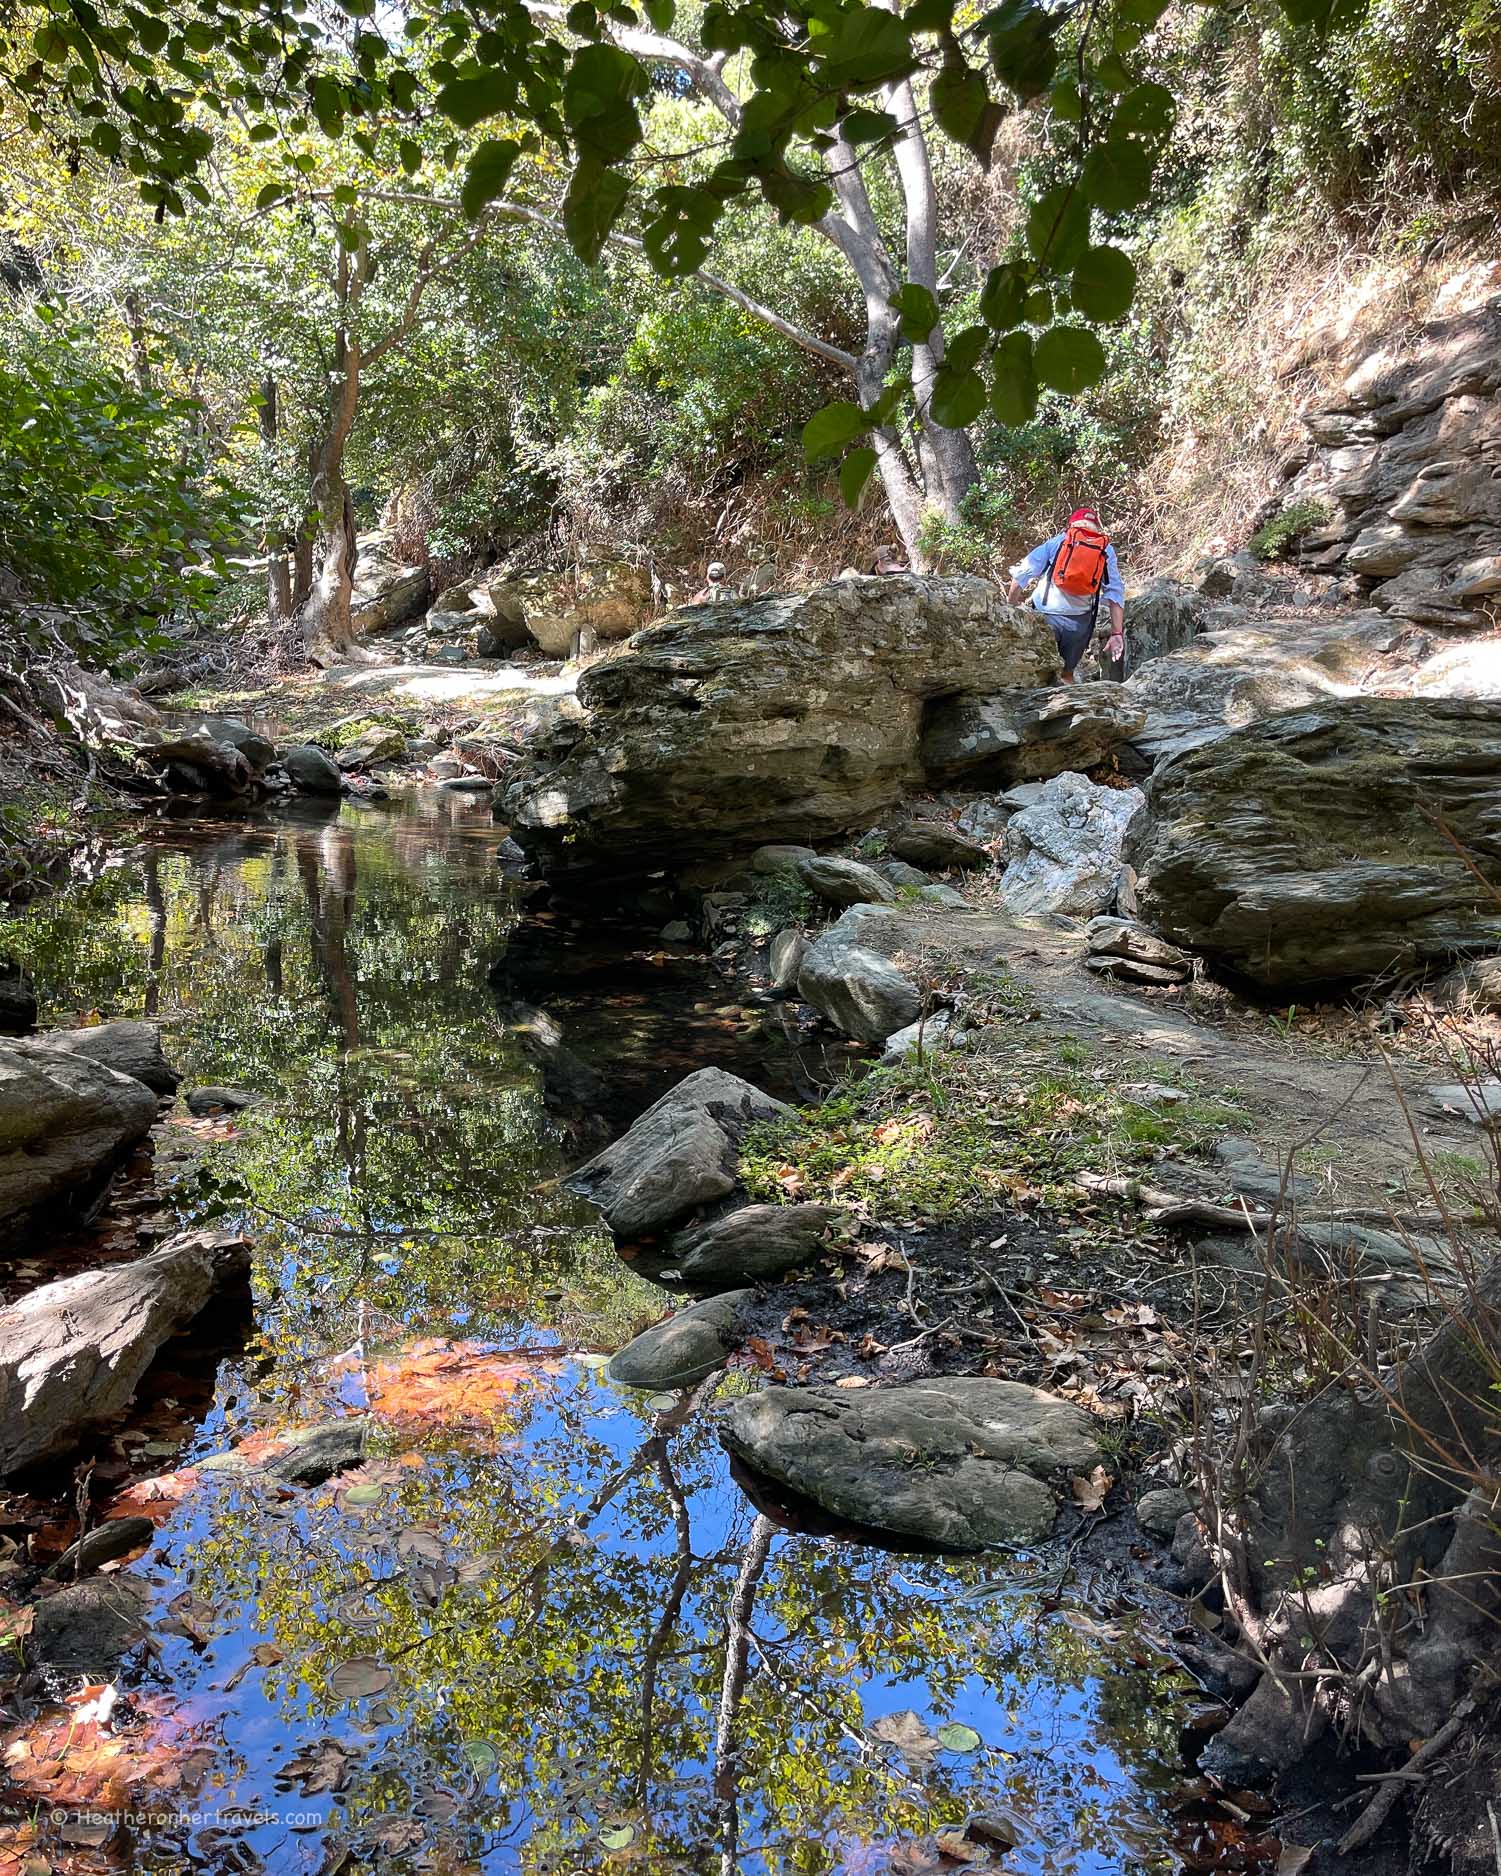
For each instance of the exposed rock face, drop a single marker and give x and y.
(72, 1353)
(1163, 617)
(1407, 456)
(198, 764)
(845, 882)
(679, 1156)
(1302, 850)
(65, 1124)
(608, 600)
(312, 769)
(130, 1048)
(380, 743)
(785, 960)
(87, 1628)
(853, 984)
(787, 719)
(686, 1347)
(958, 1463)
(1063, 853)
(386, 591)
(1028, 735)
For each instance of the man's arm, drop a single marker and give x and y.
(1114, 594)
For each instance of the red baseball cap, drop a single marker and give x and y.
(1085, 514)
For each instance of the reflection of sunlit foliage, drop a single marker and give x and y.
(535, 1577)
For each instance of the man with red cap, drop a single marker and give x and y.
(1071, 573)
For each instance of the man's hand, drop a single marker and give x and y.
(1115, 645)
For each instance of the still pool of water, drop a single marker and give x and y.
(539, 1629)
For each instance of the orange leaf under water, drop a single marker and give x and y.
(451, 1384)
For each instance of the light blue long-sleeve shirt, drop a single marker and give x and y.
(1036, 565)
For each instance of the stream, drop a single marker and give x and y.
(539, 1629)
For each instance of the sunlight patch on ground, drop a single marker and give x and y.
(428, 683)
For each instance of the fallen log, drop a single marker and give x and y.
(72, 1353)
(224, 769)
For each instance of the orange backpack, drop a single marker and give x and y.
(1078, 567)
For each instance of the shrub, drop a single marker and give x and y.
(1287, 527)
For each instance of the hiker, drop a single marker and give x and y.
(890, 560)
(716, 573)
(1070, 574)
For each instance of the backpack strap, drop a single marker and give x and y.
(1047, 578)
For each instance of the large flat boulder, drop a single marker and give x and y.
(65, 1123)
(681, 1155)
(684, 1348)
(957, 1463)
(784, 719)
(130, 1048)
(753, 1244)
(1320, 845)
(387, 590)
(1028, 735)
(73, 1352)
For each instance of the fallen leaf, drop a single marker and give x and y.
(955, 1736)
(323, 1765)
(617, 1836)
(361, 1677)
(956, 1847)
(853, 1380)
(1294, 1858)
(1090, 1494)
(908, 1734)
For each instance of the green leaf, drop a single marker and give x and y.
(617, 1836)
(263, 133)
(964, 350)
(599, 96)
(1058, 227)
(1004, 295)
(1069, 359)
(1066, 103)
(1112, 73)
(891, 397)
(1117, 175)
(1142, 12)
(52, 44)
(660, 13)
(469, 101)
(272, 193)
(1038, 310)
(863, 125)
(919, 311)
(854, 473)
(957, 1737)
(1145, 111)
(963, 107)
(583, 19)
(1323, 15)
(957, 397)
(866, 48)
(1103, 284)
(487, 174)
(1013, 380)
(411, 156)
(828, 430)
(591, 208)
(106, 139)
(1022, 49)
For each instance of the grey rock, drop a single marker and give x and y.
(1303, 850)
(114, 1538)
(845, 882)
(312, 770)
(958, 1463)
(985, 821)
(380, 743)
(208, 1100)
(65, 1123)
(1473, 986)
(681, 1154)
(753, 1244)
(929, 1035)
(387, 591)
(1028, 735)
(257, 749)
(932, 844)
(504, 631)
(686, 1347)
(901, 874)
(72, 1352)
(790, 718)
(1120, 947)
(89, 1627)
(320, 1453)
(780, 857)
(857, 989)
(450, 654)
(788, 949)
(1479, 1101)
(1064, 853)
(677, 932)
(1158, 1512)
(130, 1048)
(944, 895)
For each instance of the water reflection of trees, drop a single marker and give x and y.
(633, 1647)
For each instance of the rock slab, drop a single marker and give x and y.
(854, 986)
(1319, 846)
(788, 719)
(73, 1352)
(958, 1463)
(686, 1347)
(130, 1048)
(1063, 853)
(65, 1124)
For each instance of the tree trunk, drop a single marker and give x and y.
(326, 612)
(277, 544)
